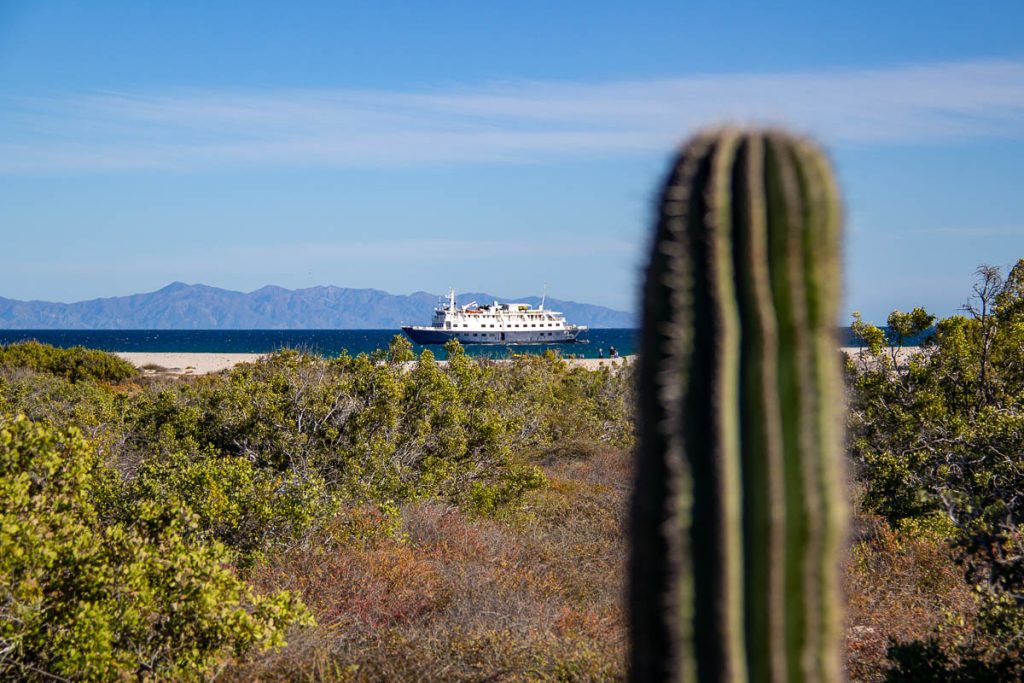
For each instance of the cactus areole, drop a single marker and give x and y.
(739, 509)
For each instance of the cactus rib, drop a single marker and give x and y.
(738, 510)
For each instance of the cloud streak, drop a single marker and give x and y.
(303, 256)
(522, 122)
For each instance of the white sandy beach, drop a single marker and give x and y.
(203, 363)
(902, 356)
(187, 363)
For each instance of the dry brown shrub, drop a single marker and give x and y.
(539, 595)
(454, 597)
(899, 588)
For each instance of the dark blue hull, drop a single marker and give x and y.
(424, 336)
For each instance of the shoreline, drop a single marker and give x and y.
(192, 363)
(185, 363)
(189, 363)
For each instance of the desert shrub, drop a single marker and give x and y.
(456, 596)
(296, 463)
(94, 408)
(75, 364)
(938, 441)
(371, 431)
(85, 600)
(250, 510)
(903, 586)
(556, 404)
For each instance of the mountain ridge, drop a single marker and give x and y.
(182, 306)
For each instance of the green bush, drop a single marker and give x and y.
(91, 406)
(126, 508)
(75, 364)
(371, 430)
(88, 600)
(250, 510)
(938, 439)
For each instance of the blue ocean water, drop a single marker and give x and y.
(323, 342)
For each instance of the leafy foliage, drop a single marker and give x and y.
(388, 429)
(457, 596)
(87, 600)
(939, 435)
(74, 364)
(133, 516)
(251, 510)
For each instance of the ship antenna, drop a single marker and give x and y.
(543, 296)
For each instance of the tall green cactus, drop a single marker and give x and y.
(738, 510)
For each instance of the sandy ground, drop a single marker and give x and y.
(595, 363)
(902, 356)
(202, 363)
(187, 363)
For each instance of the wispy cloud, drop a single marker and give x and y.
(303, 256)
(968, 232)
(433, 250)
(512, 122)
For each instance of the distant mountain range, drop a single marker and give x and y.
(179, 306)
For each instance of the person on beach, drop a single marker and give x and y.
(600, 353)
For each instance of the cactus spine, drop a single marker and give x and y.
(738, 510)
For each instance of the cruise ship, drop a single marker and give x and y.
(494, 323)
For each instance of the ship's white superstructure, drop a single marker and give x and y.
(494, 323)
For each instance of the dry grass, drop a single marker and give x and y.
(538, 596)
(899, 588)
(453, 597)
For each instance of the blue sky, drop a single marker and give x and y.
(485, 146)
